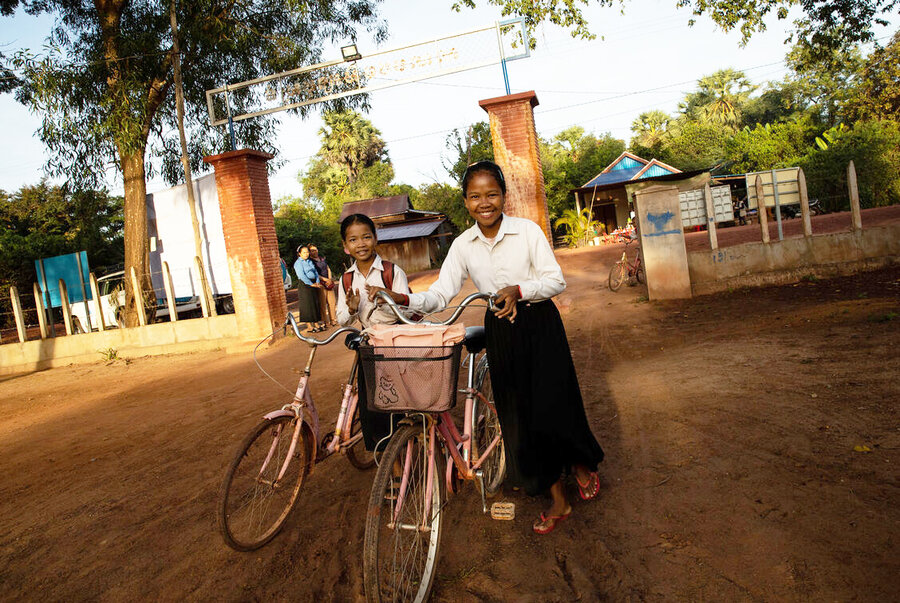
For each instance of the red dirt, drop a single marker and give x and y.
(731, 425)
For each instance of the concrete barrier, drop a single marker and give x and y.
(180, 337)
(778, 262)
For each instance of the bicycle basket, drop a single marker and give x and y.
(410, 379)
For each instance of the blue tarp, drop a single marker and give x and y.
(63, 267)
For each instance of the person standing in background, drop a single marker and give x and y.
(307, 290)
(327, 300)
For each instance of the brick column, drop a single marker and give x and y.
(516, 151)
(248, 223)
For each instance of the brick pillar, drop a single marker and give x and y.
(248, 223)
(516, 151)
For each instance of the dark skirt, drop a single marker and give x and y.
(307, 303)
(538, 400)
(375, 425)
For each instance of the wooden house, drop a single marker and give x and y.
(413, 239)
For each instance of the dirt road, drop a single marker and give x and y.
(752, 454)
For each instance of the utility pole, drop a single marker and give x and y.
(189, 182)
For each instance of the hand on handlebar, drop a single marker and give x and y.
(373, 291)
(505, 303)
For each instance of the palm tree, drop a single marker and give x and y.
(580, 226)
(350, 142)
(649, 129)
(728, 91)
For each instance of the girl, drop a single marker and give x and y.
(368, 271)
(535, 386)
(307, 290)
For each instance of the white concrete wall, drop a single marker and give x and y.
(829, 254)
(662, 242)
(161, 338)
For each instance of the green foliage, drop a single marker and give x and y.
(874, 147)
(579, 226)
(825, 78)
(719, 99)
(467, 148)
(571, 159)
(45, 221)
(695, 145)
(830, 136)
(350, 142)
(650, 129)
(448, 200)
(769, 146)
(877, 95)
(297, 223)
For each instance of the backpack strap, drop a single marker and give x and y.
(347, 282)
(387, 274)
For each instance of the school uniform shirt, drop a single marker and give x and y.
(382, 315)
(518, 255)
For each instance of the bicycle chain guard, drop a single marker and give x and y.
(505, 511)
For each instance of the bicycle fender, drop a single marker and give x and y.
(278, 413)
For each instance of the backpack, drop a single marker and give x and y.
(387, 276)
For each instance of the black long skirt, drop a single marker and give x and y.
(538, 400)
(307, 303)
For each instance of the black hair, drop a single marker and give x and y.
(306, 247)
(488, 167)
(357, 219)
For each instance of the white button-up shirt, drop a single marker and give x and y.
(518, 255)
(374, 278)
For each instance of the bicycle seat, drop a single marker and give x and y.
(475, 339)
(353, 340)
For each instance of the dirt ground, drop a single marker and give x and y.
(752, 454)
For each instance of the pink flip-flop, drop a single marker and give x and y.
(591, 489)
(552, 519)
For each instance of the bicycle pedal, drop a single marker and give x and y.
(505, 511)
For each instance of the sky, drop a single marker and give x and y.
(644, 58)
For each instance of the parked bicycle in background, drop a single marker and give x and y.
(626, 271)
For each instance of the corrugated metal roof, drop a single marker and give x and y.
(396, 232)
(380, 206)
(613, 177)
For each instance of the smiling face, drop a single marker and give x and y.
(359, 242)
(304, 253)
(314, 253)
(484, 200)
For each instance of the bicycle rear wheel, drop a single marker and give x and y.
(487, 427)
(618, 274)
(639, 274)
(253, 502)
(357, 454)
(401, 547)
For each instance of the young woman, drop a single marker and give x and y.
(326, 291)
(535, 386)
(368, 270)
(307, 290)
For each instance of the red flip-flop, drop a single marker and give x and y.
(591, 489)
(553, 519)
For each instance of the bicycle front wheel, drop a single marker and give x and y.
(618, 274)
(401, 542)
(253, 501)
(357, 454)
(486, 429)
(639, 274)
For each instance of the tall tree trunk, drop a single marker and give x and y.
(137, 250)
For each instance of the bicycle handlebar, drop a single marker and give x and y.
(462, 306)
(292, 322)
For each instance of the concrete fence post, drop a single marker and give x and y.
(41, 311)
(138, 298)
(17, 312)
(855, 216)
(98, 305)
(710, 217)
(170, 292)
(761, 210)
(66, 310)
(204, 301)
(804, 203)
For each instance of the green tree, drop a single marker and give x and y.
(649, 129)
(579, 226)
(695, 145)
(350, 142)
(779, 101)
(465, 148)
(877, 95)
(571, 159)
(298, 222)
(825, 77)
(43, 221)
(874, 147)
(448, 200)
(720, 98)
(770, 146)
(105, 87)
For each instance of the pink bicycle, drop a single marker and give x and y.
(263, 481)
(403, 522)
